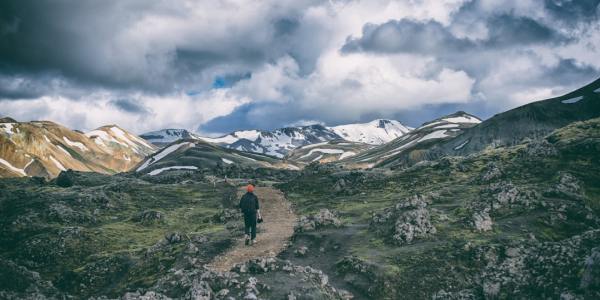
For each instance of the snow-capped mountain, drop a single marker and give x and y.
(277, 142)
(280, 142)
(411, 144)
(376, 132)
(166, 136)
(43, 148)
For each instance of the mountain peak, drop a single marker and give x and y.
(376, 132)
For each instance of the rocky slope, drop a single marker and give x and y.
(533, 120)
(327, 152)
(43, 148)
(409, 147)
(192, 154)
(519, 222)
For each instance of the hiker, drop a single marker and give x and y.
(250, 208)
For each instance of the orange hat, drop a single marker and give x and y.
(250, 188)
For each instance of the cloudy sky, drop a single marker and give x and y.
(215, 66)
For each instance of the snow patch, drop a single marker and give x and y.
(57, 163)
(572, 100)
(65, 151)
(29, 163)
(461, 145)
(79, 145)
(7, 127)
(463, 119)
(438, 134)
(47, 139)
(160, 155)
(447, 126)
(347, 154)
(399, 149)
(158, 171)
(13, 168)
(321, 150)
(597, 90)
(227, 161)
(318, 158)
(292, 167)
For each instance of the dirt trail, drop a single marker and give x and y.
(273, 234)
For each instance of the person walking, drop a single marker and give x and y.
(251, 210)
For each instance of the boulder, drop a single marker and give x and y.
(482, 221)
(325, 218)
(406, 221)
(148, 217)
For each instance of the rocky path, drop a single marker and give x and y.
(273, 234)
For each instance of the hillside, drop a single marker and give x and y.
(520, 222)
(327, 152)
(43, 148)
(533, 120)
(194, 154)
(410, 147)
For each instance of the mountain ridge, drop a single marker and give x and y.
(279, 142)
(45, 148)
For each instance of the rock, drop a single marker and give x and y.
(539, 148)
(412, 224)
(482, 221)
(568, 186)
(505, 194)
(590, 280)
(324, 218)
(460, 295)
(222, 293)
(301, 251)
(491, 172)
(148, 217)
(227, 215)
(411, 220)
(200, 290)
(150, 295)
(174, 237)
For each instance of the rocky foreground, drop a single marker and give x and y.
(519, 222)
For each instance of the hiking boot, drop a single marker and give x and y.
(254, 241)
(247, 242)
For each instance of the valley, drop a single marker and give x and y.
(457, 208)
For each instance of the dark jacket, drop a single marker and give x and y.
(249, 203)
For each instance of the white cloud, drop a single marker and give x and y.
(178, 111)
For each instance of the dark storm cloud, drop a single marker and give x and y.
(409, 36)
(130, 106)
(106, 44)
(58, 36)
(406, 36)
(574, 11)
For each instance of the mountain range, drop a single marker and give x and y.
(280, 142)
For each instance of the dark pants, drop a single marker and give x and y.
(250, 225)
